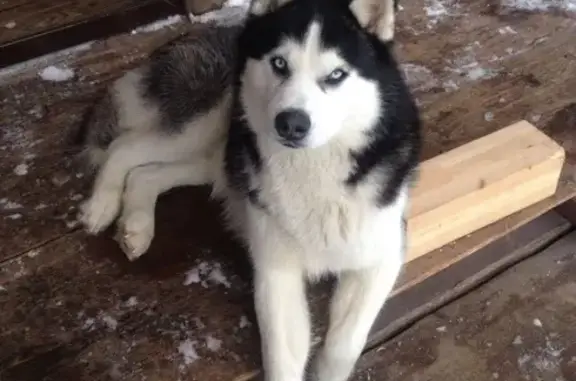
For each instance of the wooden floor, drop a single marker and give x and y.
(75, 309)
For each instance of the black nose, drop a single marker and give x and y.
(292, 124)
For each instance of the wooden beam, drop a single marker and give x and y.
(479, 183)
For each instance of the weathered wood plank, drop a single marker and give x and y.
(519, 326)
(412, 302)
(76, 310)
(20, 19)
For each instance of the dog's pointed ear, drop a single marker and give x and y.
(261, 7)
(376, 16)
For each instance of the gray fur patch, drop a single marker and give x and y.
(189, 76)
(100, 126)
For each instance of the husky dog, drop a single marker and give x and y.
(302, 123)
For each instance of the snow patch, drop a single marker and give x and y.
(157, 25)
(10, 25)
(244, 322)
(213, 344)
(419, 77)
(233, 12)
(489, 116)
(56, 73)
(33, 253)
(541, 362)
(21, 169)
(109, 321)
(441, 329)
(15, 216)
(507, 30)
(9, 205)
(438, 10)
(206, 274)
(188, 352)
(131, 302)
(537, 322)
(541, 5)
(9, 73)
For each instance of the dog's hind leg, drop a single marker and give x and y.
(358, 298)
(125, 153)
(143, 187)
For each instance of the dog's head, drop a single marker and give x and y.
(314, 70)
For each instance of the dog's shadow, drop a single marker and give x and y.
(188, 227)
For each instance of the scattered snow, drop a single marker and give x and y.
(419, 77)
(467, 66)
(76, 197)
(206, 273)
(441, 329)
(541, 361)
(188, 352)
(541, 5)
(110, 322)
(33, 253)
(157, 25)
(56, 73)
(40, 206)
(131, 302)
(192, 276)
(15, 216)
(213, 344)
(535, 118)
(9, 205)
(438, 10)
(218, 277)
(507, 30)
(21, 169)
(60, 179)
(89, 323)
(10, 25)
(233, 12)
(244, 322)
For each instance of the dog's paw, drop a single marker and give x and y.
(135, 233)
(98, 212)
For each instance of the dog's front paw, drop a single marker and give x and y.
(135, 233)
(98, 212)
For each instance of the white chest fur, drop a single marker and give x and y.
(328, 226)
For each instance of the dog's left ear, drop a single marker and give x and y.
(261, 7)
(376, 16)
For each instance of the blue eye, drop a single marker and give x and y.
(279, 65)
(335, 77)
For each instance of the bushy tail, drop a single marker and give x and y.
(98, 128)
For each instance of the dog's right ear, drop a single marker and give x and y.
(376, 16)
(261, 7)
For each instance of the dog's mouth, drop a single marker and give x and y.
(292, 143)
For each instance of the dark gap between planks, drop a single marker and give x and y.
(98, 28)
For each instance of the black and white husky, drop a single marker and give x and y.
(301, 121)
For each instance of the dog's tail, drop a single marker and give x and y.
(97, 129)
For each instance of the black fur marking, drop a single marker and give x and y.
(242, 160)
(394, 142)
(189, 76)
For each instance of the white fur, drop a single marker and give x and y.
(312, 223)
(332, 111)
(141, 144)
